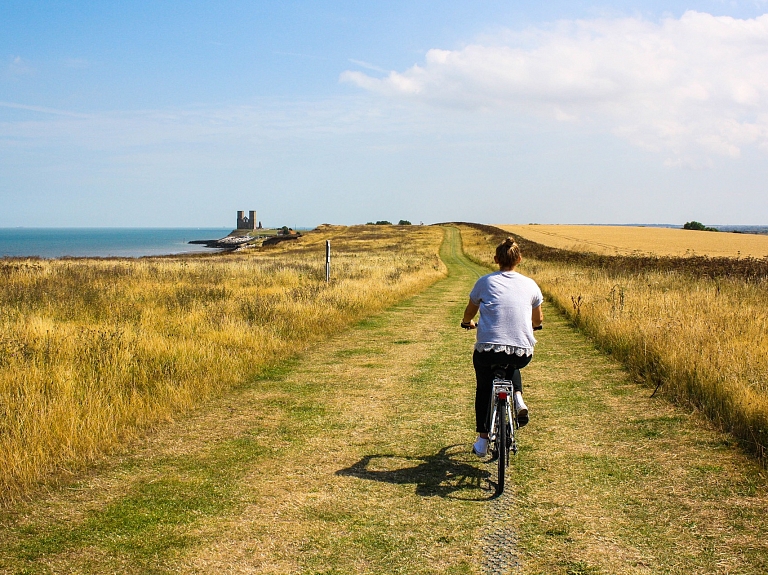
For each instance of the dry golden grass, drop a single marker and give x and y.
(93, 350)
(703, 339)
(629, 240)
(336, 462)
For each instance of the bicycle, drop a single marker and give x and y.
(504, 420)
(503, 424)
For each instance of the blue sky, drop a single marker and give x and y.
(181, 113)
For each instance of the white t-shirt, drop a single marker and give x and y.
(506, 300)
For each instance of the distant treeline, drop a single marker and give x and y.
(700, 266)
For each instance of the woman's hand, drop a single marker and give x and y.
(469, 325)
(537, 317)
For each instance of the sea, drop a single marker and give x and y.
(104, 242)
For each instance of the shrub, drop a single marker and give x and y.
(694, 225)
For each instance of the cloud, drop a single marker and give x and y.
(691, 87)
(178, 130)
(41, 109)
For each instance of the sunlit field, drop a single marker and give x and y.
(94, 351)
(702, 339)
(628, 240)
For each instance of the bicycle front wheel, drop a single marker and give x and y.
(501, 445)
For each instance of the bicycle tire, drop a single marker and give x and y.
(501, 444)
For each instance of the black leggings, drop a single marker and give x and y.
(484, 362)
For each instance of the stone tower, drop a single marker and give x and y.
(248, 223)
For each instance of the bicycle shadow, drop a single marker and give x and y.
(448, 473)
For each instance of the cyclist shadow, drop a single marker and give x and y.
(447, 474)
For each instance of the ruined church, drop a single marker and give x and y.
(247, 223)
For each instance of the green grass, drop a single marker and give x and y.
(142, 523)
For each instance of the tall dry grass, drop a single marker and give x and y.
(94, 351)
(702, 339)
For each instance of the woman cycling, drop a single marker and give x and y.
(510, 307)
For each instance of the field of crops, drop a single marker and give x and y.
(628, 240)
(92, 351)
(704, 340)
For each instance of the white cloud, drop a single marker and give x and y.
(690, 87)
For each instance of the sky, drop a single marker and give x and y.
(178, 114)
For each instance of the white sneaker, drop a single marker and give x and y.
(480, 447)
(522, 409)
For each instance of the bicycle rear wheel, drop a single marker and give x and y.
(501, 444)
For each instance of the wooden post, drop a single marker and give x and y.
(327, 260)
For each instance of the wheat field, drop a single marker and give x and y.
(632, 240)
(93, 351)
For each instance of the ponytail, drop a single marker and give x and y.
(508, 254)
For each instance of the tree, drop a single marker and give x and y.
(403, 223)
(694, 225)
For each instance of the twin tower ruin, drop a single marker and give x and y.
(248, 223)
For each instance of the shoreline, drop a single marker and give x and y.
(233, 242)
(61, 243)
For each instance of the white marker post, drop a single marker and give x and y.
(327, 260)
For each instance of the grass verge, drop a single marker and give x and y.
(612, 481)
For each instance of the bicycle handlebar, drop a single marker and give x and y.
(470, 325)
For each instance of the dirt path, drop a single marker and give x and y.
(355, 458)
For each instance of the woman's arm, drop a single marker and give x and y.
(537, 316)
(470, 312)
